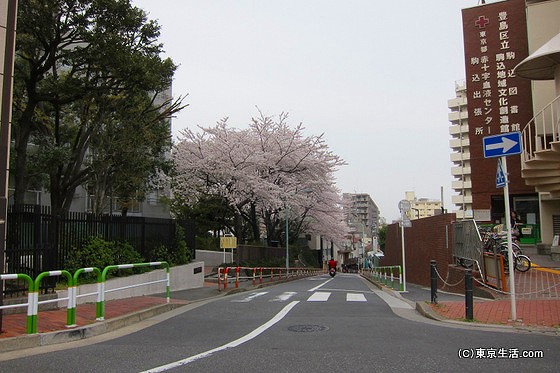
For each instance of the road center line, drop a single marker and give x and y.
(279, 316)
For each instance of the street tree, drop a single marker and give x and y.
(76, 62)
(267, 172)
(129, 157)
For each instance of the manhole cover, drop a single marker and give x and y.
(307, 328)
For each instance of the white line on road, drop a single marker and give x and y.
(279, 316)
(250, 297)
(318, 286)
(284, 296)
(319, 297)
(353, 297)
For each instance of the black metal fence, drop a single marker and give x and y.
(37, 241)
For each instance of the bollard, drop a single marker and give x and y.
(433, 282)
(468, 295)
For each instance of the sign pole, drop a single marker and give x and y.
(508, 229)
(403, 258)
(404, 206)
(502, 145)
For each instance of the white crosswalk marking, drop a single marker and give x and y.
(319, 296)
(353, 297)
(284, 296)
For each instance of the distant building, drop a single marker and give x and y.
(360, 208)
(362, 217)
(422, 207)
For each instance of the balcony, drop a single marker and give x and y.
(460, 157)
(457, 130)
(458, 171)
(460, 185)
(456, 116)
(459, 200)
(459, 143)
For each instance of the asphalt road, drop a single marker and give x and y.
(311, 325)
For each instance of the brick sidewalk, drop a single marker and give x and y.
(14, 325)
(532, 313)
(537, 302)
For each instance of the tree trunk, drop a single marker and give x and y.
(255, 223)
(21, 135)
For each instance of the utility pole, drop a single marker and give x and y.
(5, 123)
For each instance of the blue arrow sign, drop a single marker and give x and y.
(500, 177)
(502, 144)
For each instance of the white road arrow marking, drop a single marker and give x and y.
(249, 298)
(284, 296)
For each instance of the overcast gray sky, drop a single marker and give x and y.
(373, 76)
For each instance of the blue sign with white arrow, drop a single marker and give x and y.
(502, 144)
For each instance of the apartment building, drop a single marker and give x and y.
(361, 210)
(422, 207)
(460, 155)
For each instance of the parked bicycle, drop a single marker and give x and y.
(496, 243)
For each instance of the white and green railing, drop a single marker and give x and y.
(390, 276)
(34, 287)
(30, 297)
(103, 291)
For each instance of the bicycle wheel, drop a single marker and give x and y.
(522, 263)
(514, 247)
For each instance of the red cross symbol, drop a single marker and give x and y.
(481, 22)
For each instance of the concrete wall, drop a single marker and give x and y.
(549, 207)
(214, 258)
(188, 276)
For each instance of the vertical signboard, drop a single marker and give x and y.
(495, 37)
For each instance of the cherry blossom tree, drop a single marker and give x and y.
(265, 172)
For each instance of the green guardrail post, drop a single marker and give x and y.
(127, 266)
(36, 294)
(73, 306)
(30, 296)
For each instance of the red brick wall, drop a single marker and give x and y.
(424, 241)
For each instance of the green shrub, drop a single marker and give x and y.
(95, 252)
(161, 253)
(208, 243)
(124, 253)
(182, 254)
